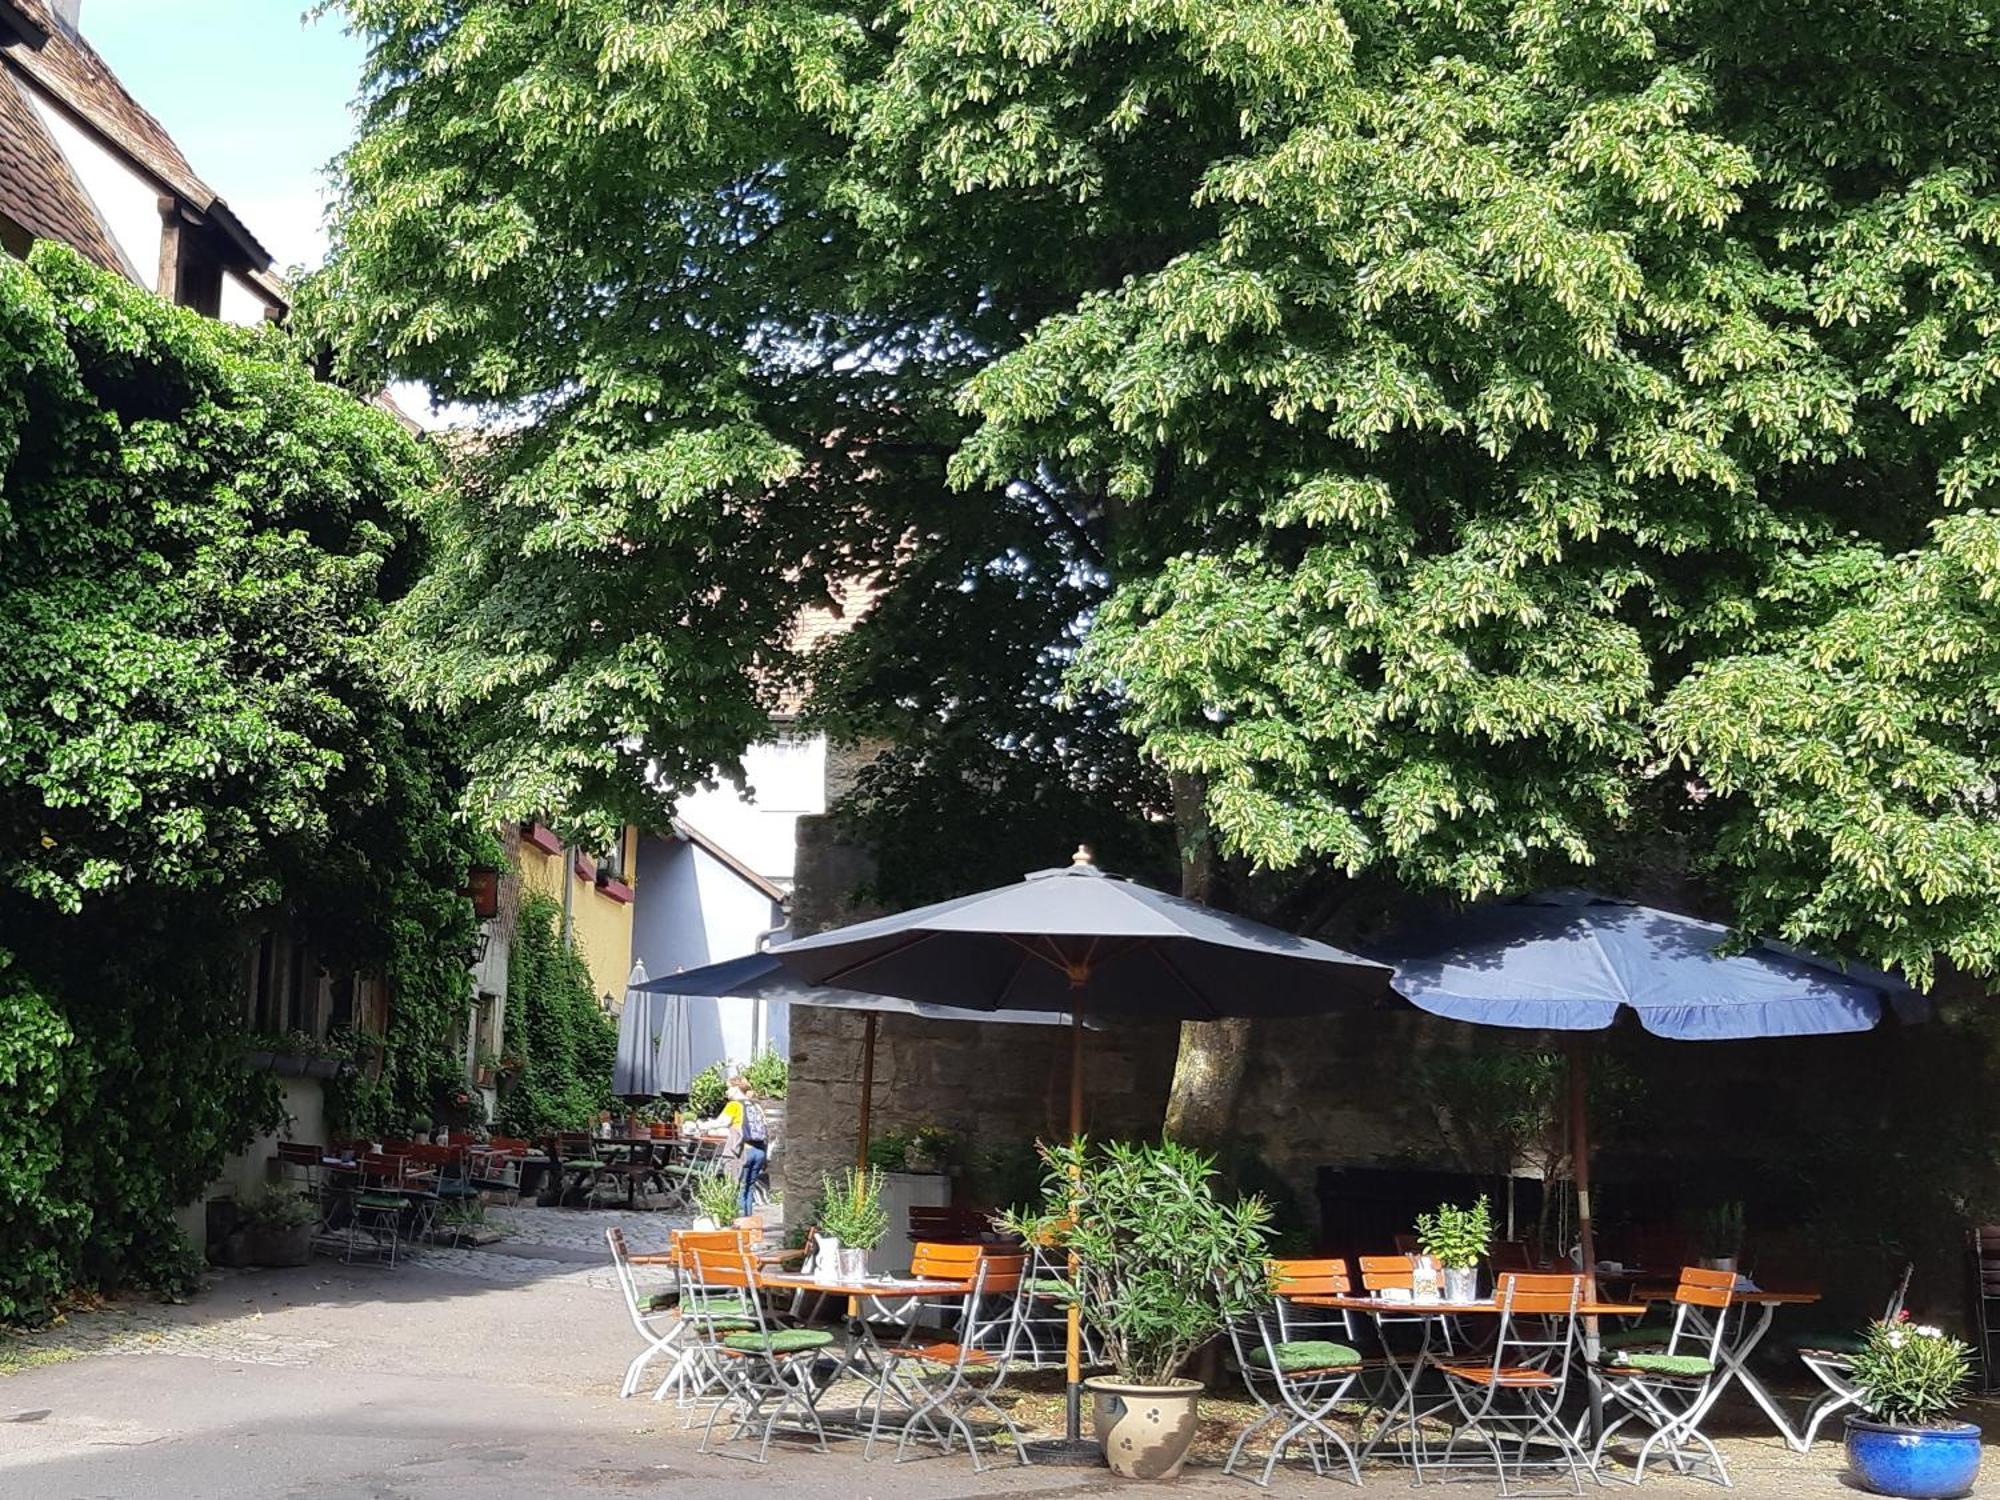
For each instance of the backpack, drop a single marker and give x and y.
(754, 1131)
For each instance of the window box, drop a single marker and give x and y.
(585, 867)
(615, 888)
(540, 836)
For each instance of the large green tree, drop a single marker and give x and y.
(1434, 443)
(197, 542)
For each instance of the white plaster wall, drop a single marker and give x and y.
(240, 305)
(786, 780)
(128, 203)
(249, 1171)
(692, 910)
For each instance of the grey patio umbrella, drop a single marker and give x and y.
(653, 1045)
(1078, 940)
(1573, 960)
(759, 976)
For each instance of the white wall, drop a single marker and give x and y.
(240, 305)
(691, 910)
(128, 203)
(786, 780)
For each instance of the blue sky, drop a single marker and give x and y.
(255, 96)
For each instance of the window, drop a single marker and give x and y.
(612, 863)
(284, 988)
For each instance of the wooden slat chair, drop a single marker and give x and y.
(1986, 1302)
(933, 1225)
(1293, 1369)
(764, 1371)
(450, 1183)
(1672, 1391)
(1830, 1358)
(1518, 1391)
(375, 1204)
(953, 1377)
(693, 1374)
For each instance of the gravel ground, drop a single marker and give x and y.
(494, 1372)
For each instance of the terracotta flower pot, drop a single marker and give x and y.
(1144, 1430)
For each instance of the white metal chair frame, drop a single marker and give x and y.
(718, 1293)
(1307, 1397)
(1518, 1392)
(701, 1160)
(1674, 1405)
(952, 1380)
(1045, 1322)
(1834, 1369)
(664, 1330)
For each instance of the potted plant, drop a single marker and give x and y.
(1719, 1237)
(929, 1149)
(715, 1201)
(1457, 1238)
(852, 1212)
(1162, 1265)
(278, 1228)
(485, 1068)
(1911, 1378)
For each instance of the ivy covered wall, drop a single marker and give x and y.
(197, 542)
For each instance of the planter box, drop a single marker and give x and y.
(615, 888)
(539, 836)
(280, 1247)
(585, 867)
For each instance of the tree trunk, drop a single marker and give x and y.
(1208, 1072)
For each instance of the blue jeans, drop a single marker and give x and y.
(754, 1158)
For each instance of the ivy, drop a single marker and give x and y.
(566, 1044)
(196, 743)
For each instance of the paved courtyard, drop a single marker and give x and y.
(473, 1373)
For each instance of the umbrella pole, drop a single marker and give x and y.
(867, 1092)
(1579, 1125)
(1073, 1332)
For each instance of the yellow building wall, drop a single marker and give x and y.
(601, 924)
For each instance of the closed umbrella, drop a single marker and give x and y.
(635, 1070)
(1079, 941)
(1573, 960)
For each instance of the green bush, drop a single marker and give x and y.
(708, 1090)
(770, 1074)
(566, 1044)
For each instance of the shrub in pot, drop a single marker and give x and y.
(277, 1227)
(1163, 1263)
(1720, 1236)
(852, 1212)
(715, 1201)
(1912, 1378)
(1457, 1238)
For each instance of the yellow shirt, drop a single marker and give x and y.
(732, 1114)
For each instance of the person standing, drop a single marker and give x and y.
(756, 1138)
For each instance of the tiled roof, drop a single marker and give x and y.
(70, 71)
(36, 188)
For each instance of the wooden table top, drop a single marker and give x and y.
(907, 1286)
(1762, 1296)
(1485, 1306)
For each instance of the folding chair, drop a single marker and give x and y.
(656, 1316)
(495, 1170)
(1289, 1377)
(764, 1371)
(1519, 1390)
(693, 1373)
(949, 1379)
(1672, 1391)
(701, 1159)
(375, 1202)
(1045, 1320)
(1831, 1361)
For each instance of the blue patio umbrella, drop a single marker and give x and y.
(1572, 960)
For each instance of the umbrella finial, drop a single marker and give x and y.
(1084, 856)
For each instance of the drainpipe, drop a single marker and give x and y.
(569, 891)
(760, 944)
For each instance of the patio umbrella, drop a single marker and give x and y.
(1572, 960)
(1078, 940)
(759, 976)
(635, 1071)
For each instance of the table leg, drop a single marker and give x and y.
(1735, 1358)
(1404, 1410)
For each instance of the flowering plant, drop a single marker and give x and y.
(1911, 1374)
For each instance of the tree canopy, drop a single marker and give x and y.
(1453, 440)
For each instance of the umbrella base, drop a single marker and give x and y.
(1066, 1453)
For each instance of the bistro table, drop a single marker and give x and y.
(861, 1352)
(1734, 1353)
(1403, 1411)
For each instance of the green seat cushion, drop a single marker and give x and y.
(1652, 1336)
(783, 1341)
(1307, 1354)
(1666, 1364)
(380, 1200)
(1049, 1286)
(583, 1164)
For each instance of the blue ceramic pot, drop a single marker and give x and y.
(1916, 1463)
